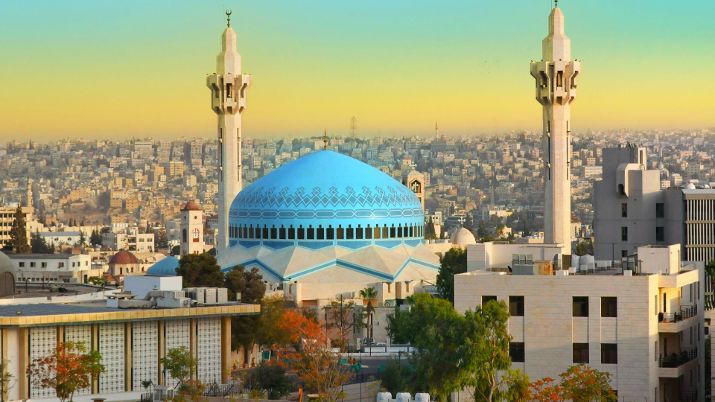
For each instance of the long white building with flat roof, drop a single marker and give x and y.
(643, 325)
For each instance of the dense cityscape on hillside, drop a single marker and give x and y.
(468, 178)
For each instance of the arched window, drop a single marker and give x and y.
(368, 232)
(349, 233)
(301, 232)
(265, 232)
(358, 232)
(274, 232)
(341, 233)
(311, 233)
(329, 233)
(320, 234)
(393, 233)
(184, 236)
(399, 231)
(251, 233)
(291, 233)
(384, 232)
(282, 233)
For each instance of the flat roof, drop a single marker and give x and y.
(44, 256)
(23, 315)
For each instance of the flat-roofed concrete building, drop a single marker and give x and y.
(642, 325)
(75, 268)
(131, 340)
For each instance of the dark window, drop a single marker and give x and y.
(384, 232)
(274, 233)
(349, 233)
(392, 232)
(659, 233)
(609, 307)
(329, 233)
(580, 306)
(301, 233)
(624, 253)
(399, 231)
(368, 232)
(659, 210)
(516, 306)
(265, 232)
(341, 233)
(291, 233)
(282, 233)
(516, 352)
(320, 234)
(487, 299)
(311, 233)
(184, 237)
(609, 353)
(580, 353)
(624, 233)
(358, 232)
(624, 210)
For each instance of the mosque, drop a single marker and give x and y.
(318, 227)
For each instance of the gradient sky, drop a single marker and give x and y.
(136, 68)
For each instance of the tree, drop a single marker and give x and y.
(268, 331)
(179, 363)
(396, 377)
(584, 247)
(249, 284)
(454, 351)
(492, 378)
(161, 241)
(452, 262)
(95, 239)
(69, 368)
(309, 356)
(39, 245)
(370, 295)
(18, 234)
(272, 378)
(199, 270)
(344, 317)
(82, 238)
(581, 383)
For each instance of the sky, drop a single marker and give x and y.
(136, 68)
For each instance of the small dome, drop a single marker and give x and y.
(462, 237)
(164, 267)
(690, 186)
(6, 264)
(192, 206)
(123, 257)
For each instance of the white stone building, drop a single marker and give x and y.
(76, 268)
(644, 326)
(130, 239)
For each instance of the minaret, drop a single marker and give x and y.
(555, 89)
(228, 100)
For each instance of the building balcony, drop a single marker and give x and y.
(678, 321)
(675, 365)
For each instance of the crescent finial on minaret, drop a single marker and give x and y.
(228, 18)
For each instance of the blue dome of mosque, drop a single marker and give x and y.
(326, 196)
(165, 267)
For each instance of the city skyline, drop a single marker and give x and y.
(398, 67)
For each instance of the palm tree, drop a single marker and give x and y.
(369, 294)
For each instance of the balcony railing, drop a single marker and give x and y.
(684, 313)
(677, 359)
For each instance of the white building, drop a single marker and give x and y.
(67, 238)
(130, 239)
(643, 326)
(76, 268)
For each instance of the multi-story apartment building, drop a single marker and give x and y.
(7, 219)
(642, 324)
(130, 239)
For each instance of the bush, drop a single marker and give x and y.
(272, 378)
(396, 377)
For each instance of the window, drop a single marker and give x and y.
(311, 233)
(580, 306)
(320, 234)
(43, 264)
(609, 307)
(516, 306)
(580, 353)
(624, 233)
(516, 352)
(624, 253)
(32, 265)
(624, 210)
(62, 265)
(659, 233)
(609, 353)
(659, 210)
(487, 299)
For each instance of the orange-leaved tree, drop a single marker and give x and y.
(69, 368)
(315, 364)
(545, 390)
(579, 383)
